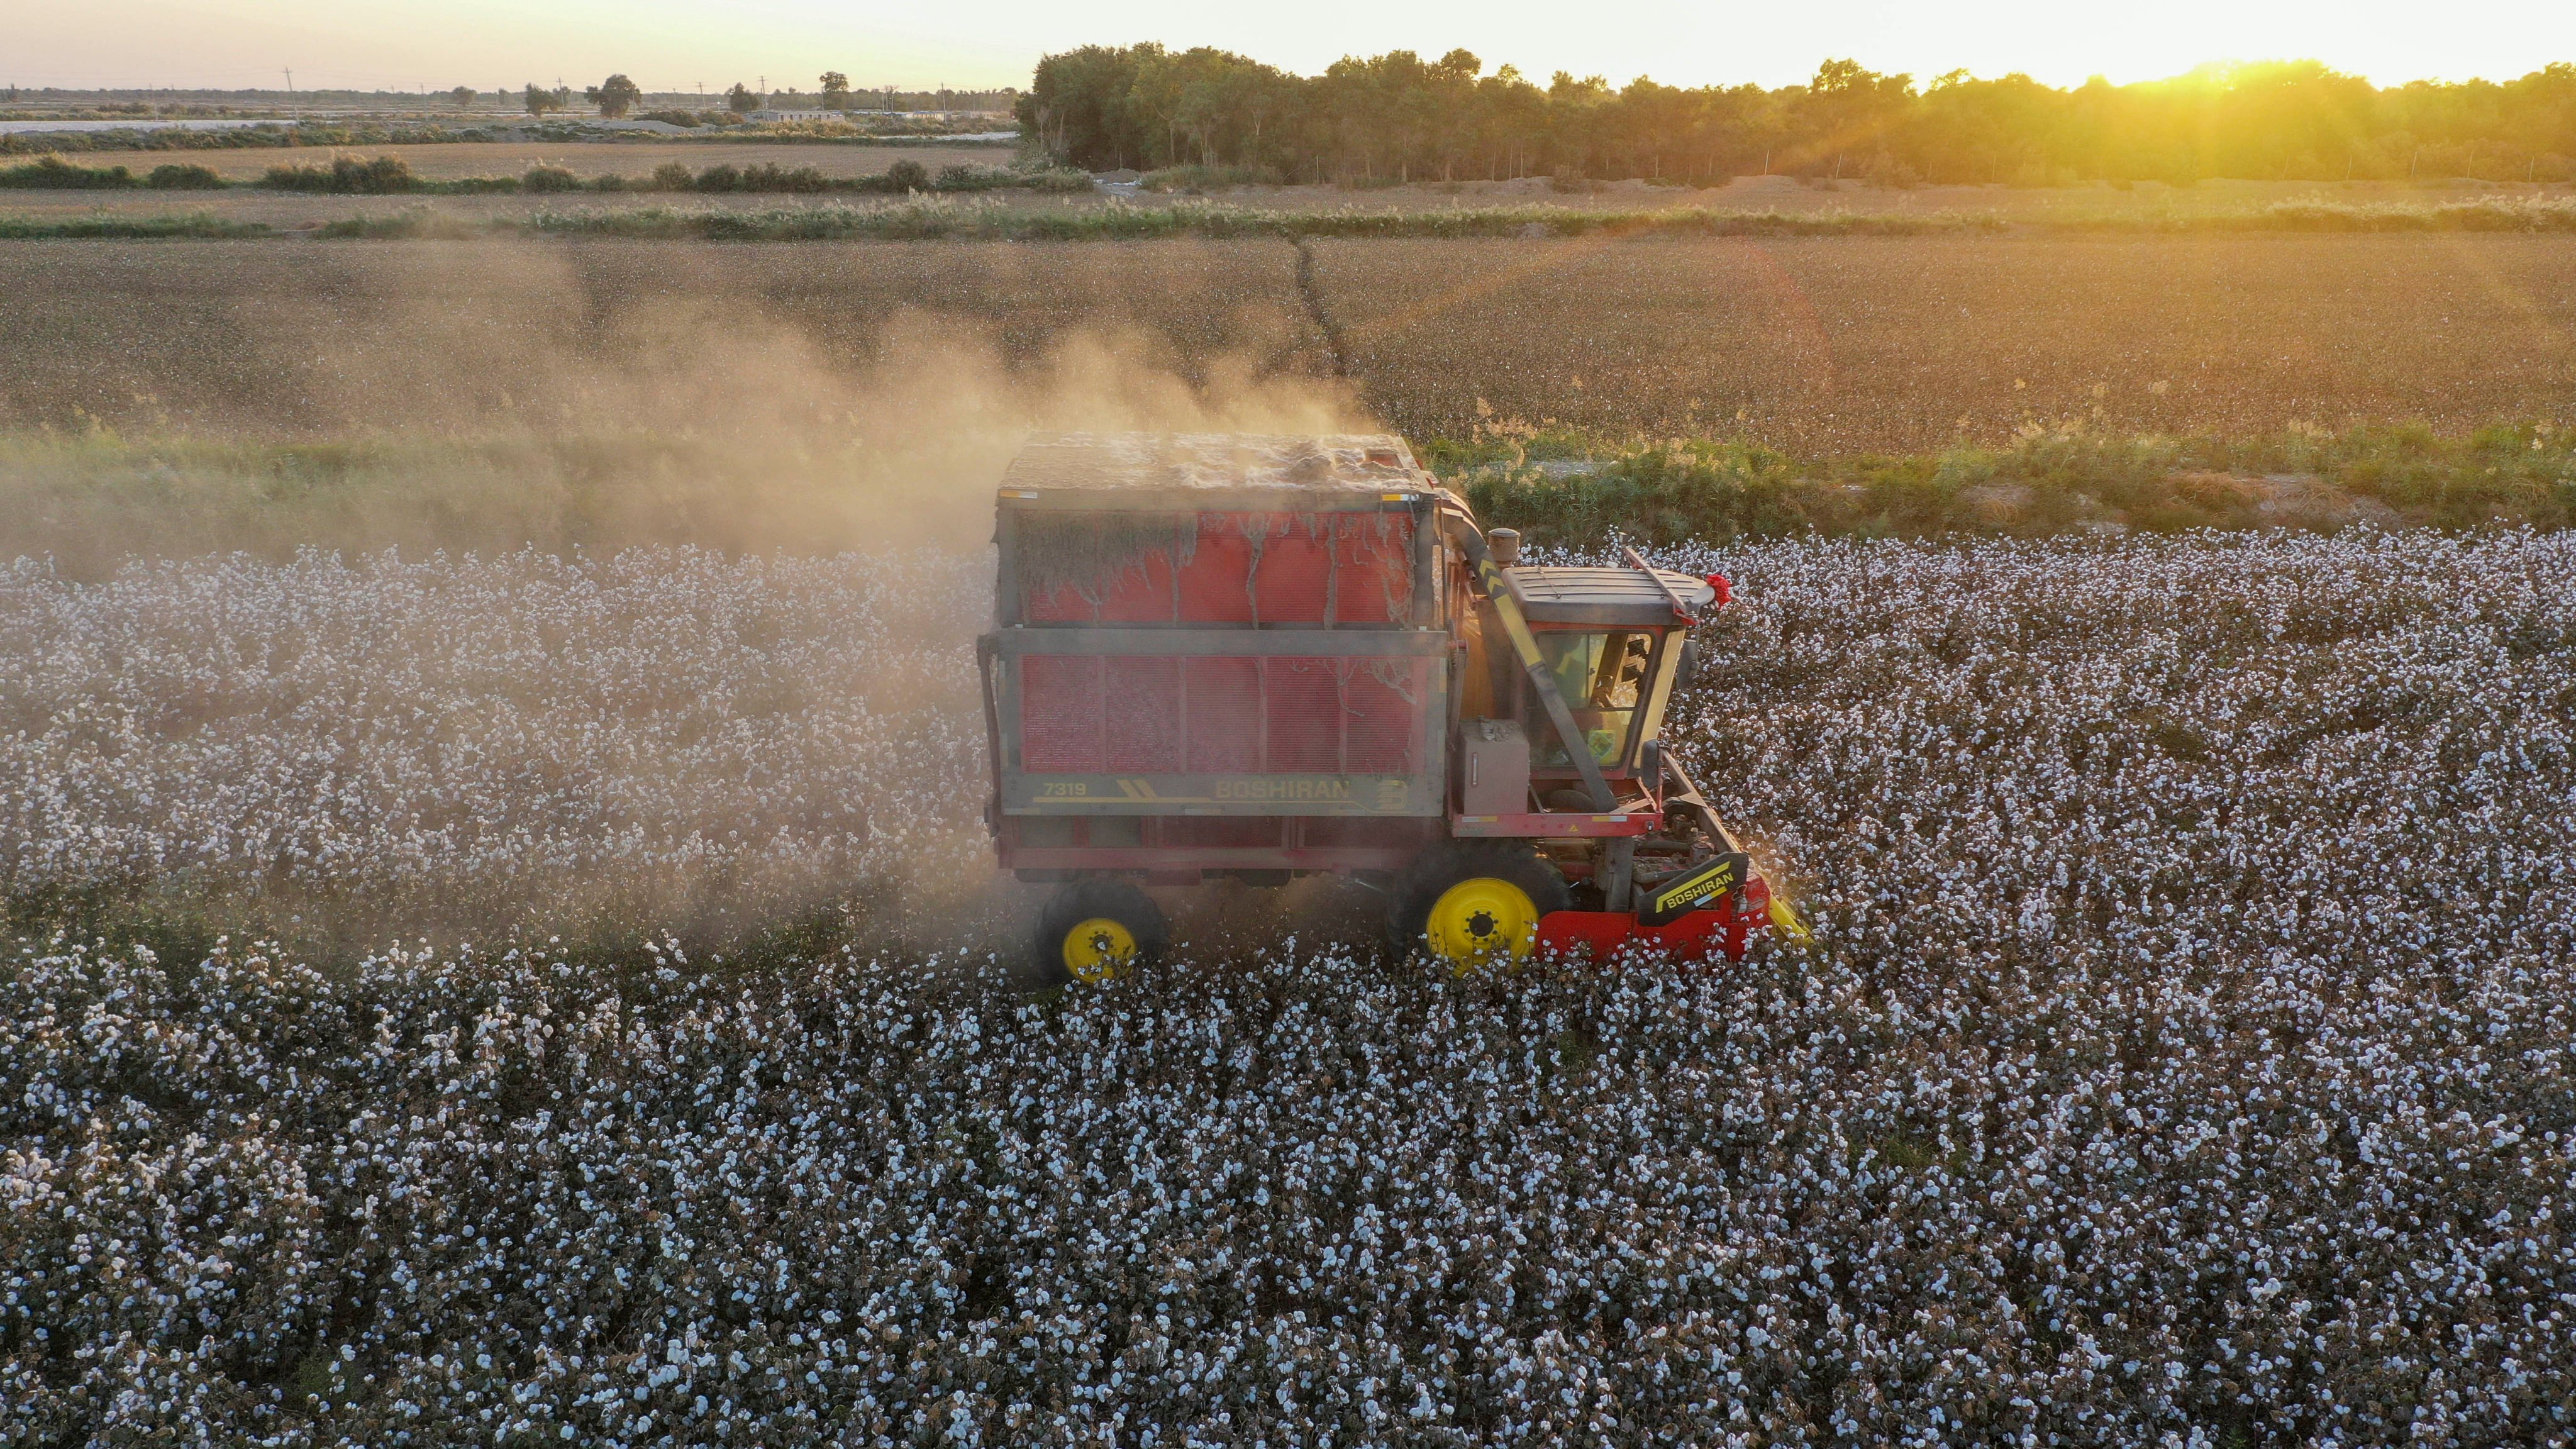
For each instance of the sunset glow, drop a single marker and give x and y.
(671, 46)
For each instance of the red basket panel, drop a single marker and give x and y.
(1142, 715)
(1372, 568)
(1060, 713)
(1152, 715)
(1224, 736)
(1302, 705)
(1294, 580)
(1244, 568)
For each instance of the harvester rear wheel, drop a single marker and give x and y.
(1472, 906)
(1098, 930)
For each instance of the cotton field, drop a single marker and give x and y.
(487, 744)
(2186, 1053)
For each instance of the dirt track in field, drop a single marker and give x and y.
(1826, 345)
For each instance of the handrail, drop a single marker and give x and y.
(1639, 563)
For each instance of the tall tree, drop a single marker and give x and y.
(614, 96)
(1849, 111)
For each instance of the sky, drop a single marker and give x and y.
(915, 44)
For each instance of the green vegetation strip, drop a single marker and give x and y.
(1118, 220)
(1578, 489)
(196, 226)
(87, 498)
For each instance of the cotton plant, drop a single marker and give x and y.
(2182, 1055)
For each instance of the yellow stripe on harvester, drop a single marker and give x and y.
(1784, 919)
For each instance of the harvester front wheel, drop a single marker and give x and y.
(1097, 930)
(1473, 906)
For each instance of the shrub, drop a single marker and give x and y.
(719, 178)
(94, 227)
(347, 176)
(907, 175)
(676, 118)
(184, 178)
(549, 179)
(54, 174)
(672, 176)
(770, 177)
(411, 223)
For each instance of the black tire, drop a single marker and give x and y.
(1442, 866)
(1110, 900)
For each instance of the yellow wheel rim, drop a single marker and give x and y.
(1480, 921)
(1098, 949)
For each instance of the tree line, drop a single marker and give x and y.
(1398, 117)
(617, 95)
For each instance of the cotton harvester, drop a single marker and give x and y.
(1266, 657)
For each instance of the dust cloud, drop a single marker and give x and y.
(491, 395)
(497, 403)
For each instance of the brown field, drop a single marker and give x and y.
(1835, 345)
(1820, 345)
(324, 338)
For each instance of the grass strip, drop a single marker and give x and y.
(89, 497)
(186, 226)
(983, 218)
(1115, 220)
(1584, 489)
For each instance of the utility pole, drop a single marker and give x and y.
(292, 113)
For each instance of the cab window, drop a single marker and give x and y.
(1603, 677)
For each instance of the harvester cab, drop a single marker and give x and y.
(1260, 658)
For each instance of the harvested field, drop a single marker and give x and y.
(330, 338)
(1840, 345)
(1822, 346)
(2184, 1055)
